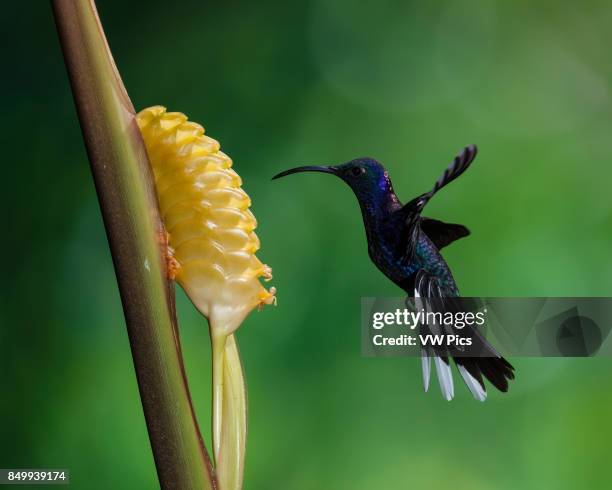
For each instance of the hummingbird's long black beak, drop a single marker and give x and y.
(310, 168)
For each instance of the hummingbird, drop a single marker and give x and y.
(405, 246)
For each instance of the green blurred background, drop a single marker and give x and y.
(282, 84)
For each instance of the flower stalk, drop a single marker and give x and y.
(229, 415)
(138, 245)
(213, 244)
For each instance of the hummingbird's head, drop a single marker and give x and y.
(367, 177)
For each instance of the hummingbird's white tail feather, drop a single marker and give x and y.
(445, 377)
(472, 383)
(426, 364)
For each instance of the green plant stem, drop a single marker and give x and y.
(129, 207)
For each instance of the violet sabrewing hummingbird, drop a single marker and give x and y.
(406, 246)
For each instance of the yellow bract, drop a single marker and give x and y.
(207, 216)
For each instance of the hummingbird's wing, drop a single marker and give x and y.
(459, 165)
(442, 234)
(411, 212)
(432, 297)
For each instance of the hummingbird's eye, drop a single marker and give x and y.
(357, 171)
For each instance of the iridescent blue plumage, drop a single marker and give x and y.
(384, 219)
(406, 247)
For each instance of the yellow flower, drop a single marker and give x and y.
(206, 214)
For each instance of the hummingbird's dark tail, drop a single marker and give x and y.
(496, 370)
(475, 365)
(473, 370)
